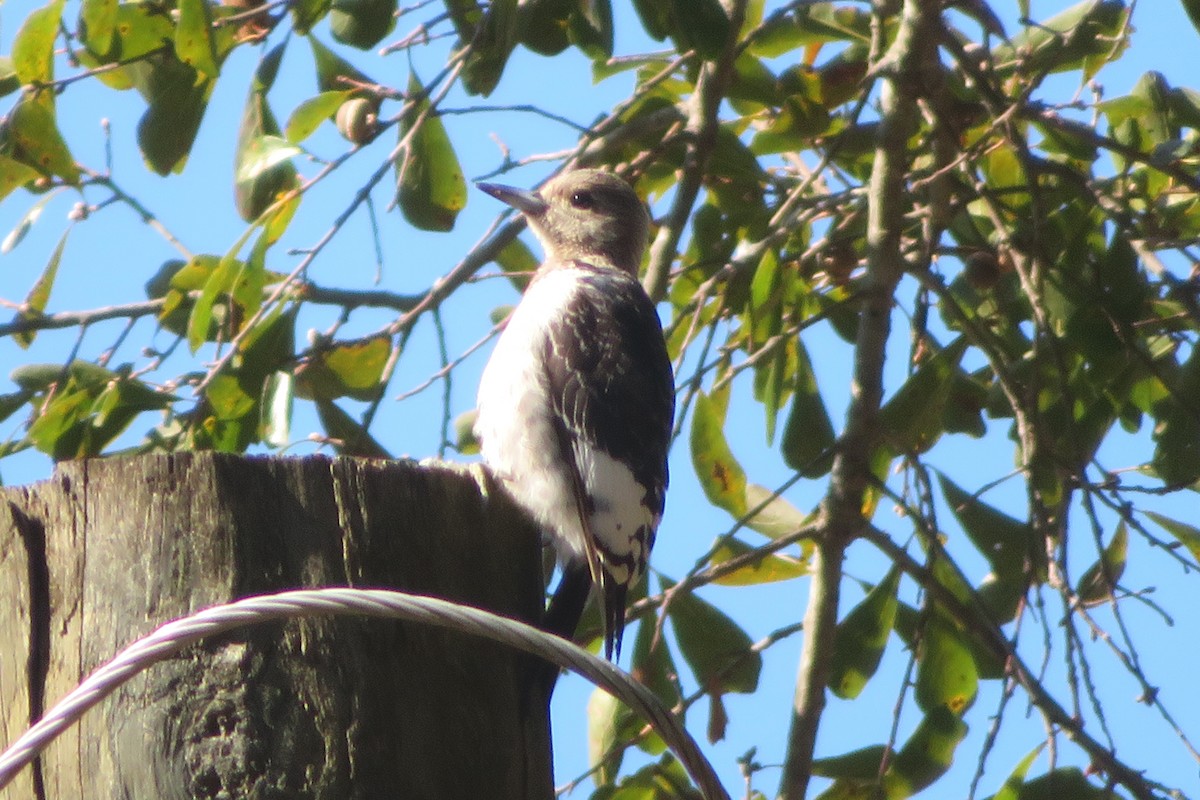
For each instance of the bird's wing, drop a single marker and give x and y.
(612, 393)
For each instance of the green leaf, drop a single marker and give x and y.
(653, 666)
(771, 375)
(307, 13)
(753, 83)
(607, 718)
(34, 138)
(700, 25)
(1156, 123)
(39, 295)
(240, 402)
(591, 28)
(721, 476)
(14, 174)
(90, 409)
(228, 399)
(777, 518)
(1001, 597)
(309, 115)
(1066, 783)
(348, 435)
(276, 414)
(912, 418)
(268, 346)
(201, 317)
(1099, 581)
(9, 82)
(543, 25)
(716, 649)
(1084, 36)
(264, 172)
(12, 402)
(263, 154)
(664, 780)
(767, 568)
(802, 117)
(362, 23)
(1016, 779)
(859, 765)
(655, 16)
(808, 435)
(989, 665)
(26, 223)
(862, 636)
(191, 276)
(351, 369)
(33, 47)
(40, 377)
(519, 262)
(1008, 544)
(490, 46)
(334, 73)
(98, 21)
(927, 754)
(1192, 7)
(1188, 535)
(964, 406)
(193, 37)
(141, 28)
(466, 16)
(268, 70)
(177, 96)
(465, 440)
(431, 187)
(946, 673)
(1075, 141)
(57, 431)
(1177, 434)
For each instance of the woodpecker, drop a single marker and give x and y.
(577, 401)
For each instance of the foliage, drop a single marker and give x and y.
(818, 169)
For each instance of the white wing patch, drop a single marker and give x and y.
(618, 519)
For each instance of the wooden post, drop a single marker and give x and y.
(107, 550)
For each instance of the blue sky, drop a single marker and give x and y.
(108, 259)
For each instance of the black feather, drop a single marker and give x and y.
(612, 388)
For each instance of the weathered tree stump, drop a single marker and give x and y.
(107, 550)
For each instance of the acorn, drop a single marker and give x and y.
(838, 262)
(982, 270)
(357, 121)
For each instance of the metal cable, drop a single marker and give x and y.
(172, 637)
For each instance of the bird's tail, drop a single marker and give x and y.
(613, 610)
(570, 599)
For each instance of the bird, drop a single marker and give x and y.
(576, 403)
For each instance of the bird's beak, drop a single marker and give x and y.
(523, 200)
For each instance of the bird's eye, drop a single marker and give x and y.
(583, 200)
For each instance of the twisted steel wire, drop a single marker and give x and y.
(173, 636)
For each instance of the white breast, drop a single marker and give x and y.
(517, 438)
(519, 442)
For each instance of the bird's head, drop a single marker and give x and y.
(586, 214)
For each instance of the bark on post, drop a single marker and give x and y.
(107, 550)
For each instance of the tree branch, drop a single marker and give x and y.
(307, 292)
(976, 619)
(703, 122)
(842, 510)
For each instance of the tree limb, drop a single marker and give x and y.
(308, 292)
(842, 509)
(703, 122)
(975, 619)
